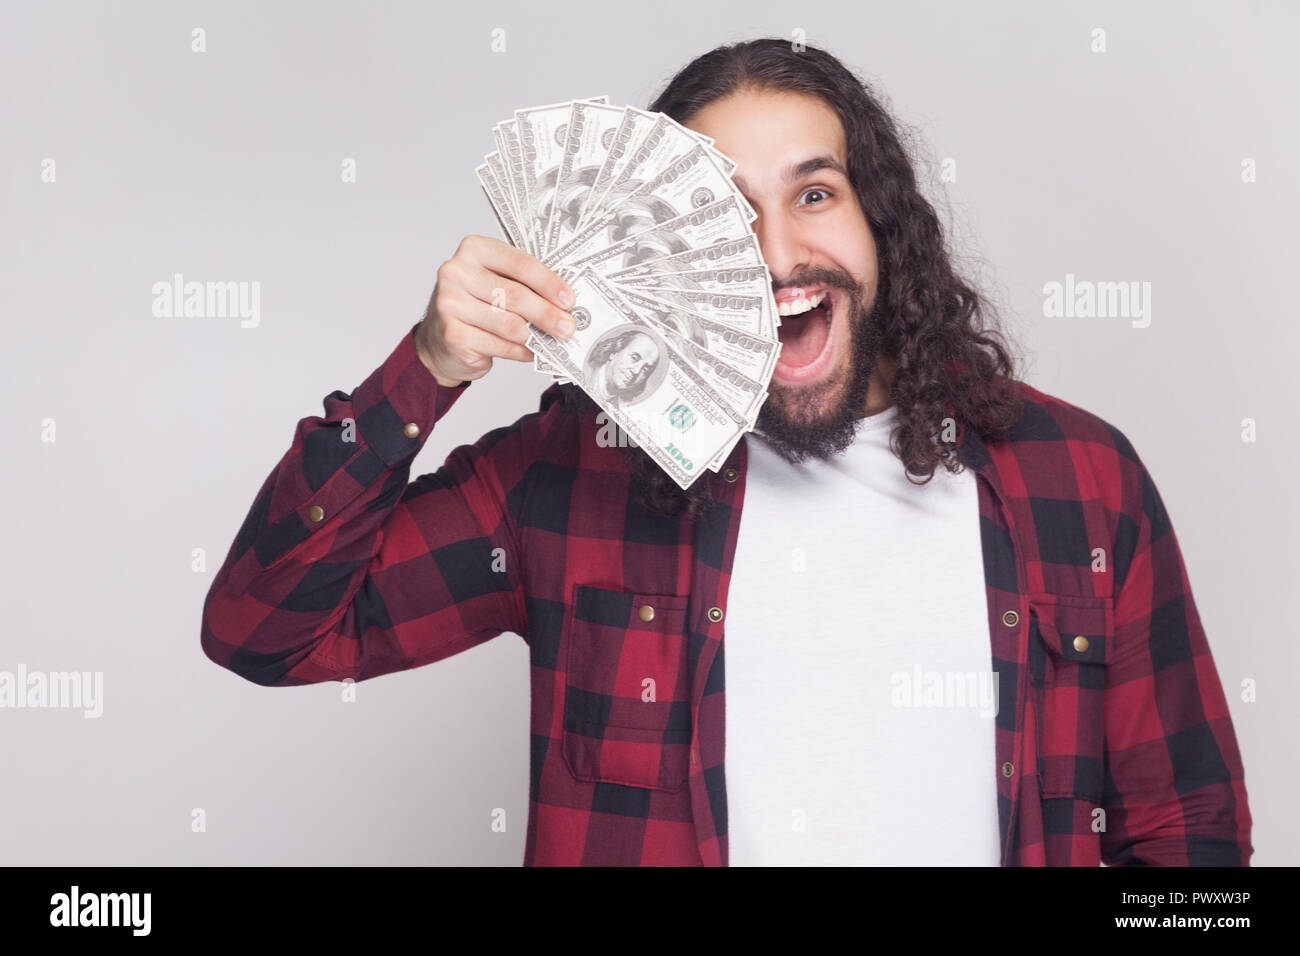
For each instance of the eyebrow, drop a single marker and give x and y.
(797, 171)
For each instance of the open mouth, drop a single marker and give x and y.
(806, 335)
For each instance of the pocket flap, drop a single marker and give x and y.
(629, 610)
(1075, 628)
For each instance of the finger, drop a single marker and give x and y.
(481, 342)
(502, 323)
(506, 260)
(501, 293)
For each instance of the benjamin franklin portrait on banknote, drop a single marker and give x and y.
(623, 363)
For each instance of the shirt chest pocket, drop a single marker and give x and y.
(627, 710)
(1072, 640)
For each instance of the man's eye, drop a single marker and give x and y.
(808, 192)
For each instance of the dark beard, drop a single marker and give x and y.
(805, 422)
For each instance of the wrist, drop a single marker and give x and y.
(428, 363)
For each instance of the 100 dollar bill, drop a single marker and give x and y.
(643, 383)
(714, 223)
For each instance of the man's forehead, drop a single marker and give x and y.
(774, 135)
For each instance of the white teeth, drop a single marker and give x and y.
(800, 305)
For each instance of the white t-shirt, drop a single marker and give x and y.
(860, 699)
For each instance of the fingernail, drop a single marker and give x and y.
(565, 327)
(566, 298)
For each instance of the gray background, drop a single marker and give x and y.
(1123, 165)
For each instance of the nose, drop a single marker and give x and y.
(784, 244)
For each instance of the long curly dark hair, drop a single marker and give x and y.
(952, 358)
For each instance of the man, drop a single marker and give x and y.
(855, 601)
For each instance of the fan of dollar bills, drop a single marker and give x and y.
(675, 334)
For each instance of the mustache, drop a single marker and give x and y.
(836, 278)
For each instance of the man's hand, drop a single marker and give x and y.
(484, 298)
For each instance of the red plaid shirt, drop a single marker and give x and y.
(1113, 737)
